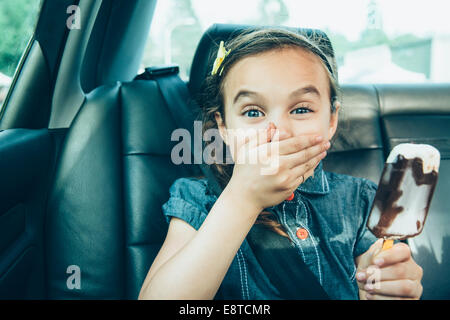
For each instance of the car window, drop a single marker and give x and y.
(376, 41)
(17, 23)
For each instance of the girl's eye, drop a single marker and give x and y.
(301, 110)
(253, 113)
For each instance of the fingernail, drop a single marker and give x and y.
(360, 276)
(319, 138)
(379, 262)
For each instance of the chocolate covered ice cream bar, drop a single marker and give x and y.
(404, 193)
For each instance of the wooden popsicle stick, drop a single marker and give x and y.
(387, 244)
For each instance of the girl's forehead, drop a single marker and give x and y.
(283, 69)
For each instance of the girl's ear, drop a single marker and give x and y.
(221, 126)
(334, 120)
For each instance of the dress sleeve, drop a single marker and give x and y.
(365, 238)
(189, 201)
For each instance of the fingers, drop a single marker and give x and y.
(374, 249)
(370, 296)
(310, 172)
(403, 270)
(393, 275)
(396, 288)
(303, 177)
(398, 253)
(303, 163)
(303, 156)
(364, 295)
(306, 169)
(297, 143)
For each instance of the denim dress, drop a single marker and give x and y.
(333, 209)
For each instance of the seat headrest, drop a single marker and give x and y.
(209, 43)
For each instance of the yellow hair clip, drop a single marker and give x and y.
(221, 54)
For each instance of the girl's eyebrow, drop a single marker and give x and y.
(309, 89)
(244, 93)
(305, 90)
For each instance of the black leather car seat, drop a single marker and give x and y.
(112, 177)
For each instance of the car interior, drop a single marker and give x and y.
(85, 154)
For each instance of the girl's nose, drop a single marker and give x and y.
(283, 133)
(282, 123)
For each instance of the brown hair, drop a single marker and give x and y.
(249, 43)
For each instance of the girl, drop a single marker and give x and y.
(281, 80)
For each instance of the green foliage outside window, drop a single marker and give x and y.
(17, 23)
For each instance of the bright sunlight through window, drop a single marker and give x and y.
(376, 41)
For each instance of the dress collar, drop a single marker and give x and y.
(317, 184)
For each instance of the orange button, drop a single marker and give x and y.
(290, 197)
(302, 233)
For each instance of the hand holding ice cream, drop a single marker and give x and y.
(389, 274)
(399, 211)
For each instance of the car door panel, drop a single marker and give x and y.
(25, 165)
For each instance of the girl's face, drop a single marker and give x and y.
(288, 87)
